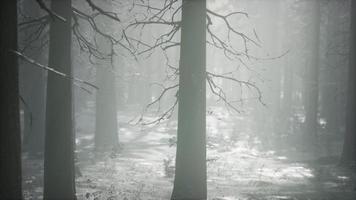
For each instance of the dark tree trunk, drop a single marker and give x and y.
(10, 139)
(349, 149)
(59, 141)
(190, 174)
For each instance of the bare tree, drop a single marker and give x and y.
(166, 15)
(195, 26)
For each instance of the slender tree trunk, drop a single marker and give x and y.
(33, 90)
(287, 96)
(288, 78)
(272, 82)
(277, 70)
(131, 93)
(349, 149)
(312, 75)
(120, 85)
(146, 82)
(329, 90)
(106, 135)
(10, 138)
(59, 141)
(36, 134)
(190, 174)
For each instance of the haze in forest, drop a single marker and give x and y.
(178, 99)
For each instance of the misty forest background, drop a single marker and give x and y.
(178, 99)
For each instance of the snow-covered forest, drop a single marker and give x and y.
(178, 99)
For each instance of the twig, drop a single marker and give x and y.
(49, 11)
(30, 60)
(103, 12)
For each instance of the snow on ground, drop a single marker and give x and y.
(237, 168)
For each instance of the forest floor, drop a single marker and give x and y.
(238, 169)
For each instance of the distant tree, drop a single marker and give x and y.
(106, 135)
(275, 71)
(334, 65)
(288, 77)
(106, 130)
(349, 148)
(312, 78)
(59, 140)
(10, 139)
(32, 80)
(100, 47)
(267, 117)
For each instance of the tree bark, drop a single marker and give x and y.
(190, 174)
(10, 138)
(59, 141)
(349, 148)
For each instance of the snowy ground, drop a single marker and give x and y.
(237, 168)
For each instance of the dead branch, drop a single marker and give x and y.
(52, 70)
(49, 11)
(110, 15)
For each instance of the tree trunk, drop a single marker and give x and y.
(312, 80)
(349, 149)
(330, 80)
(33, 90)
(190, 174)
(10, 139)
(132, 93)
(106, 131)
(288, 77)
(120, 86)
(59, 141)
(106, 135)
(286, 113)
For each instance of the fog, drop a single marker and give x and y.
(164, 99)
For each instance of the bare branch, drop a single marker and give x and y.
(110, 15)
(50, 69)
(166, 16)
(49, 11)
